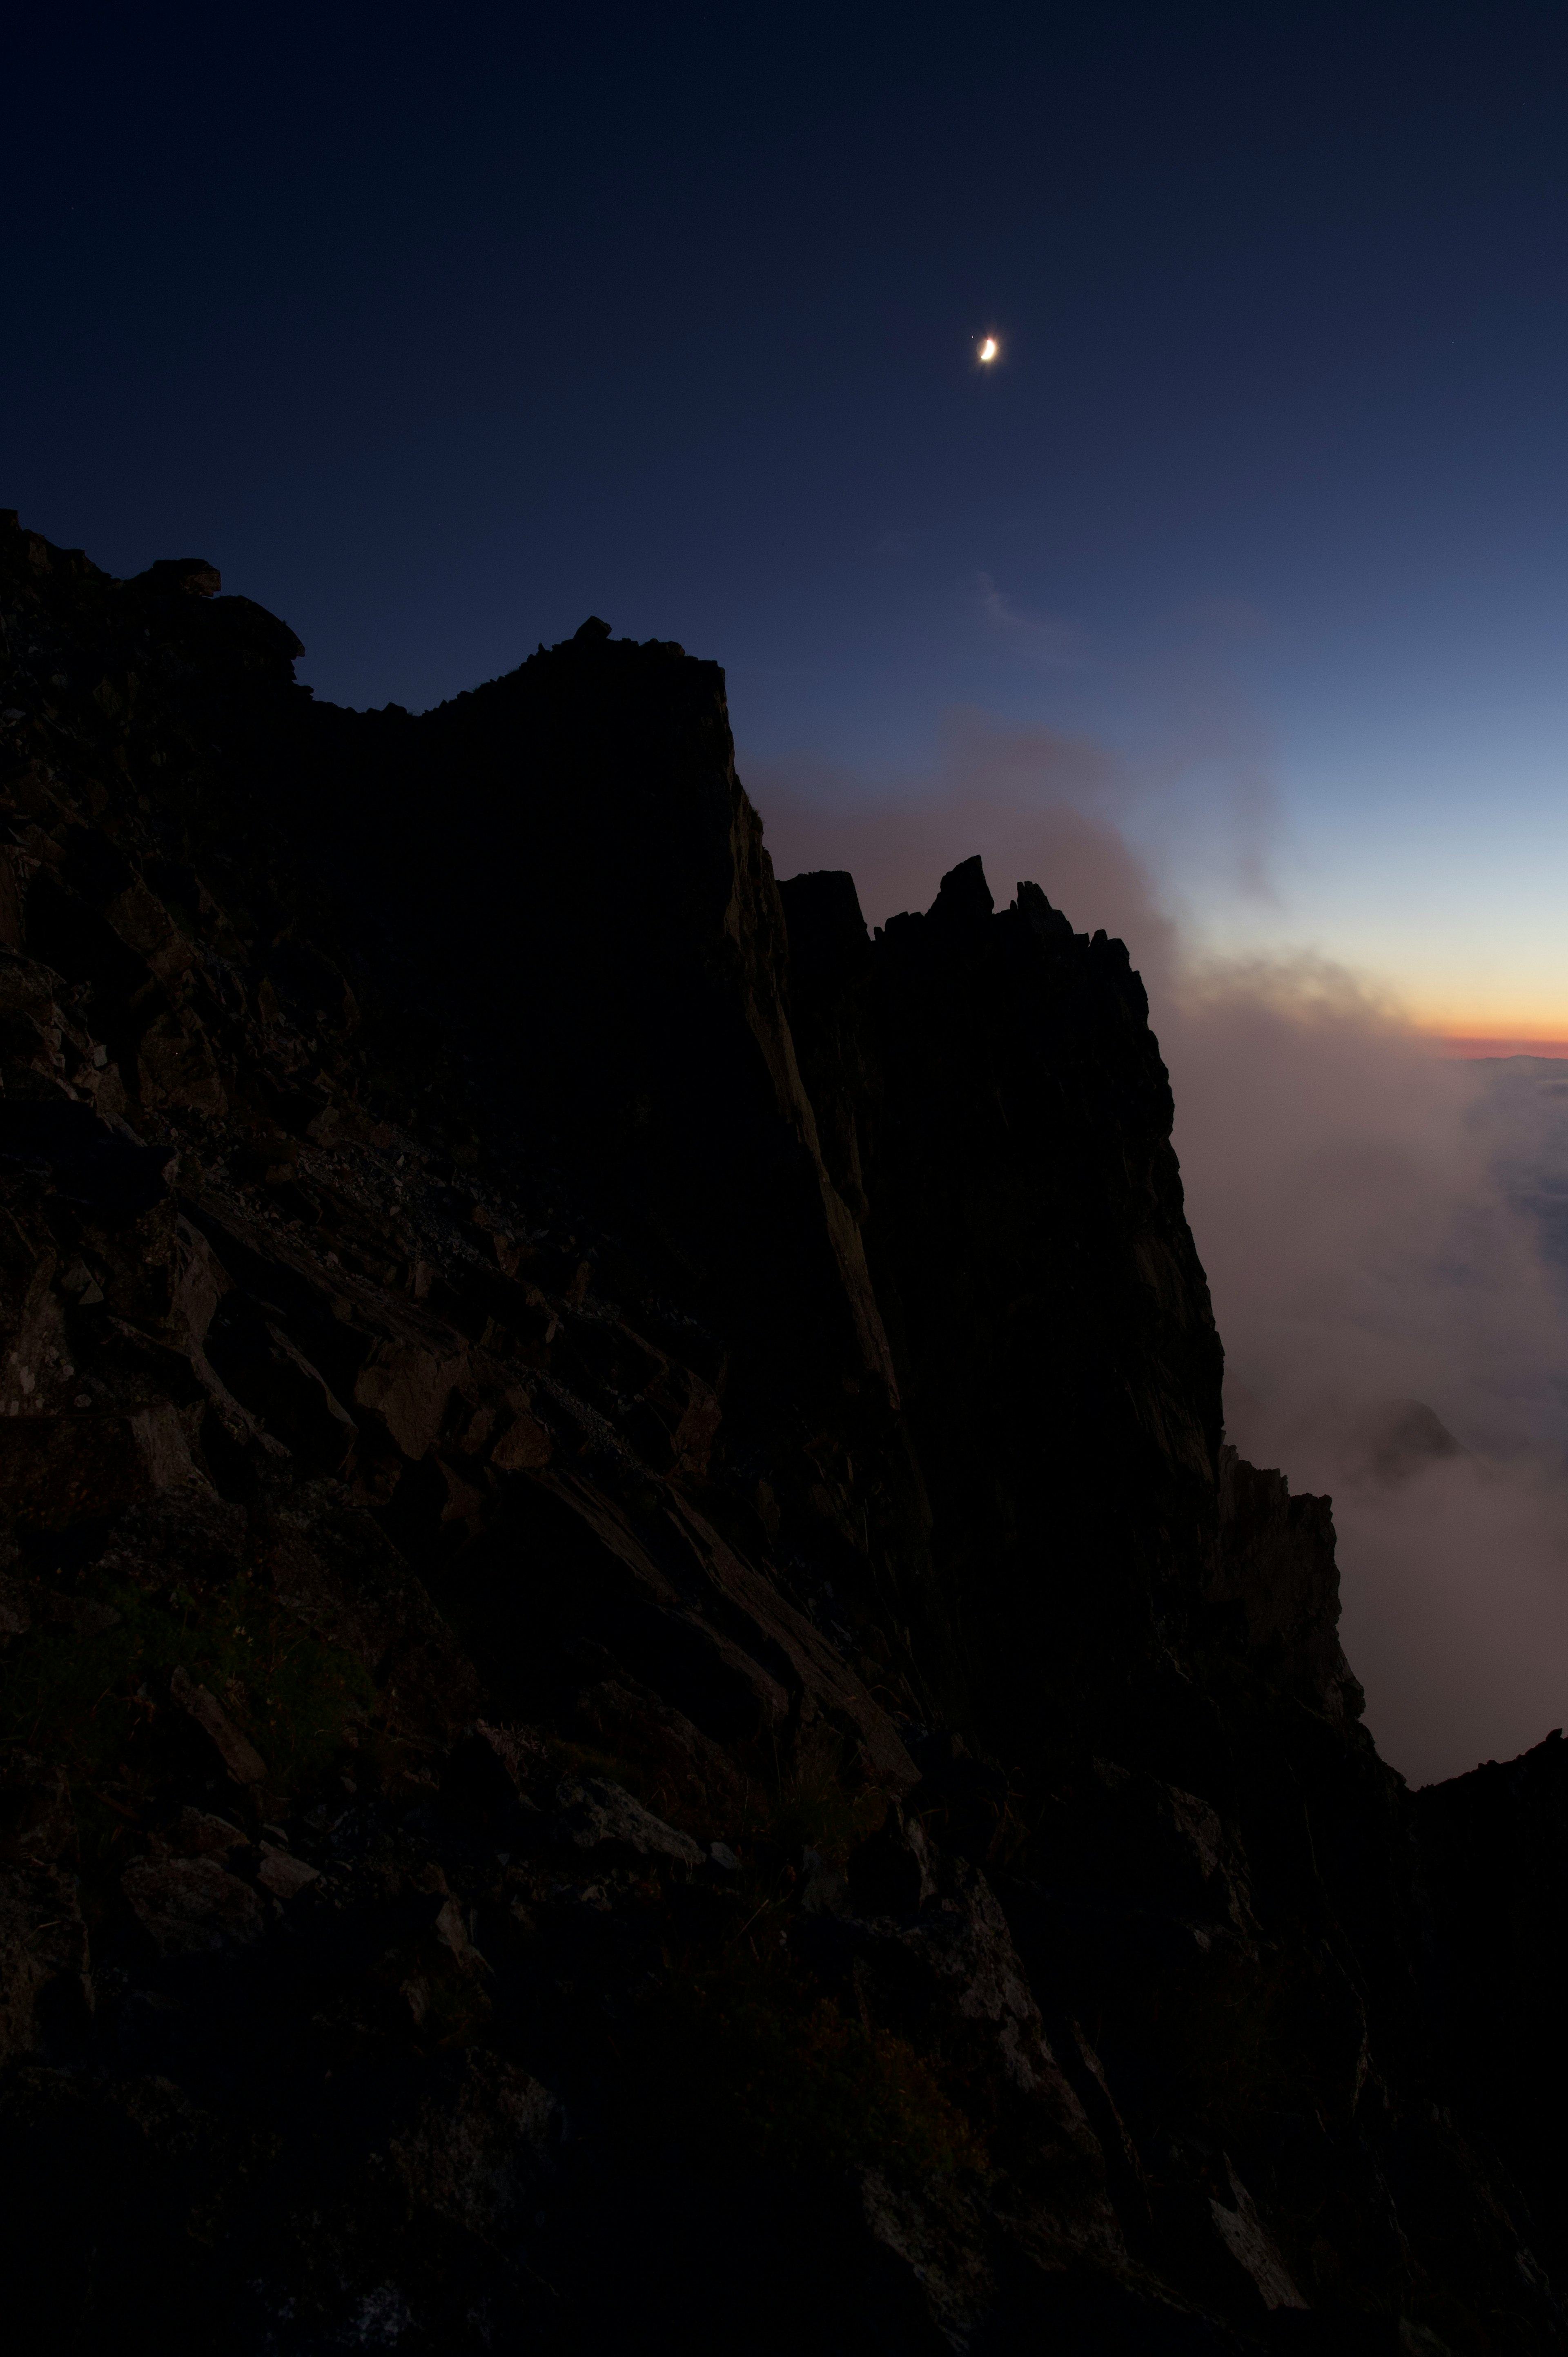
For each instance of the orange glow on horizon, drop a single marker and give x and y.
(1473, 1044)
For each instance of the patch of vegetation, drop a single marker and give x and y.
(457, 2011)
(759, 2060)
(811, 1809)
(90, 1702)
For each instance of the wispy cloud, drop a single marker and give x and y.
(1366, 1242)
(1041, 639)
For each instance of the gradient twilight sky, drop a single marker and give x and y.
(437, 330)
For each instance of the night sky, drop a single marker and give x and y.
(437, 330)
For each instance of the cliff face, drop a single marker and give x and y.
(994, 1104)
(636, 1686)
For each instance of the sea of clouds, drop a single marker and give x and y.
(1381, 1225)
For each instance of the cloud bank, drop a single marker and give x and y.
(1380, 1226)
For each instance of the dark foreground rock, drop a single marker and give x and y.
(640, 1706)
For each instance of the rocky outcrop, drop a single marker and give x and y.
(1276, 1583)
(996, 1110)
(634, 1682)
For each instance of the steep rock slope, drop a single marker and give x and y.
(637, 1700)
(996, 1105)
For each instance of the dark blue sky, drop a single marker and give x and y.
(437, 330)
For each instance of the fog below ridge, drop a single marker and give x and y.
(1385, 1231)
(1357, 1204)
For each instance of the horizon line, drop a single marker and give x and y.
(1475, 1045)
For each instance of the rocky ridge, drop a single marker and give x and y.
(636, 1684)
